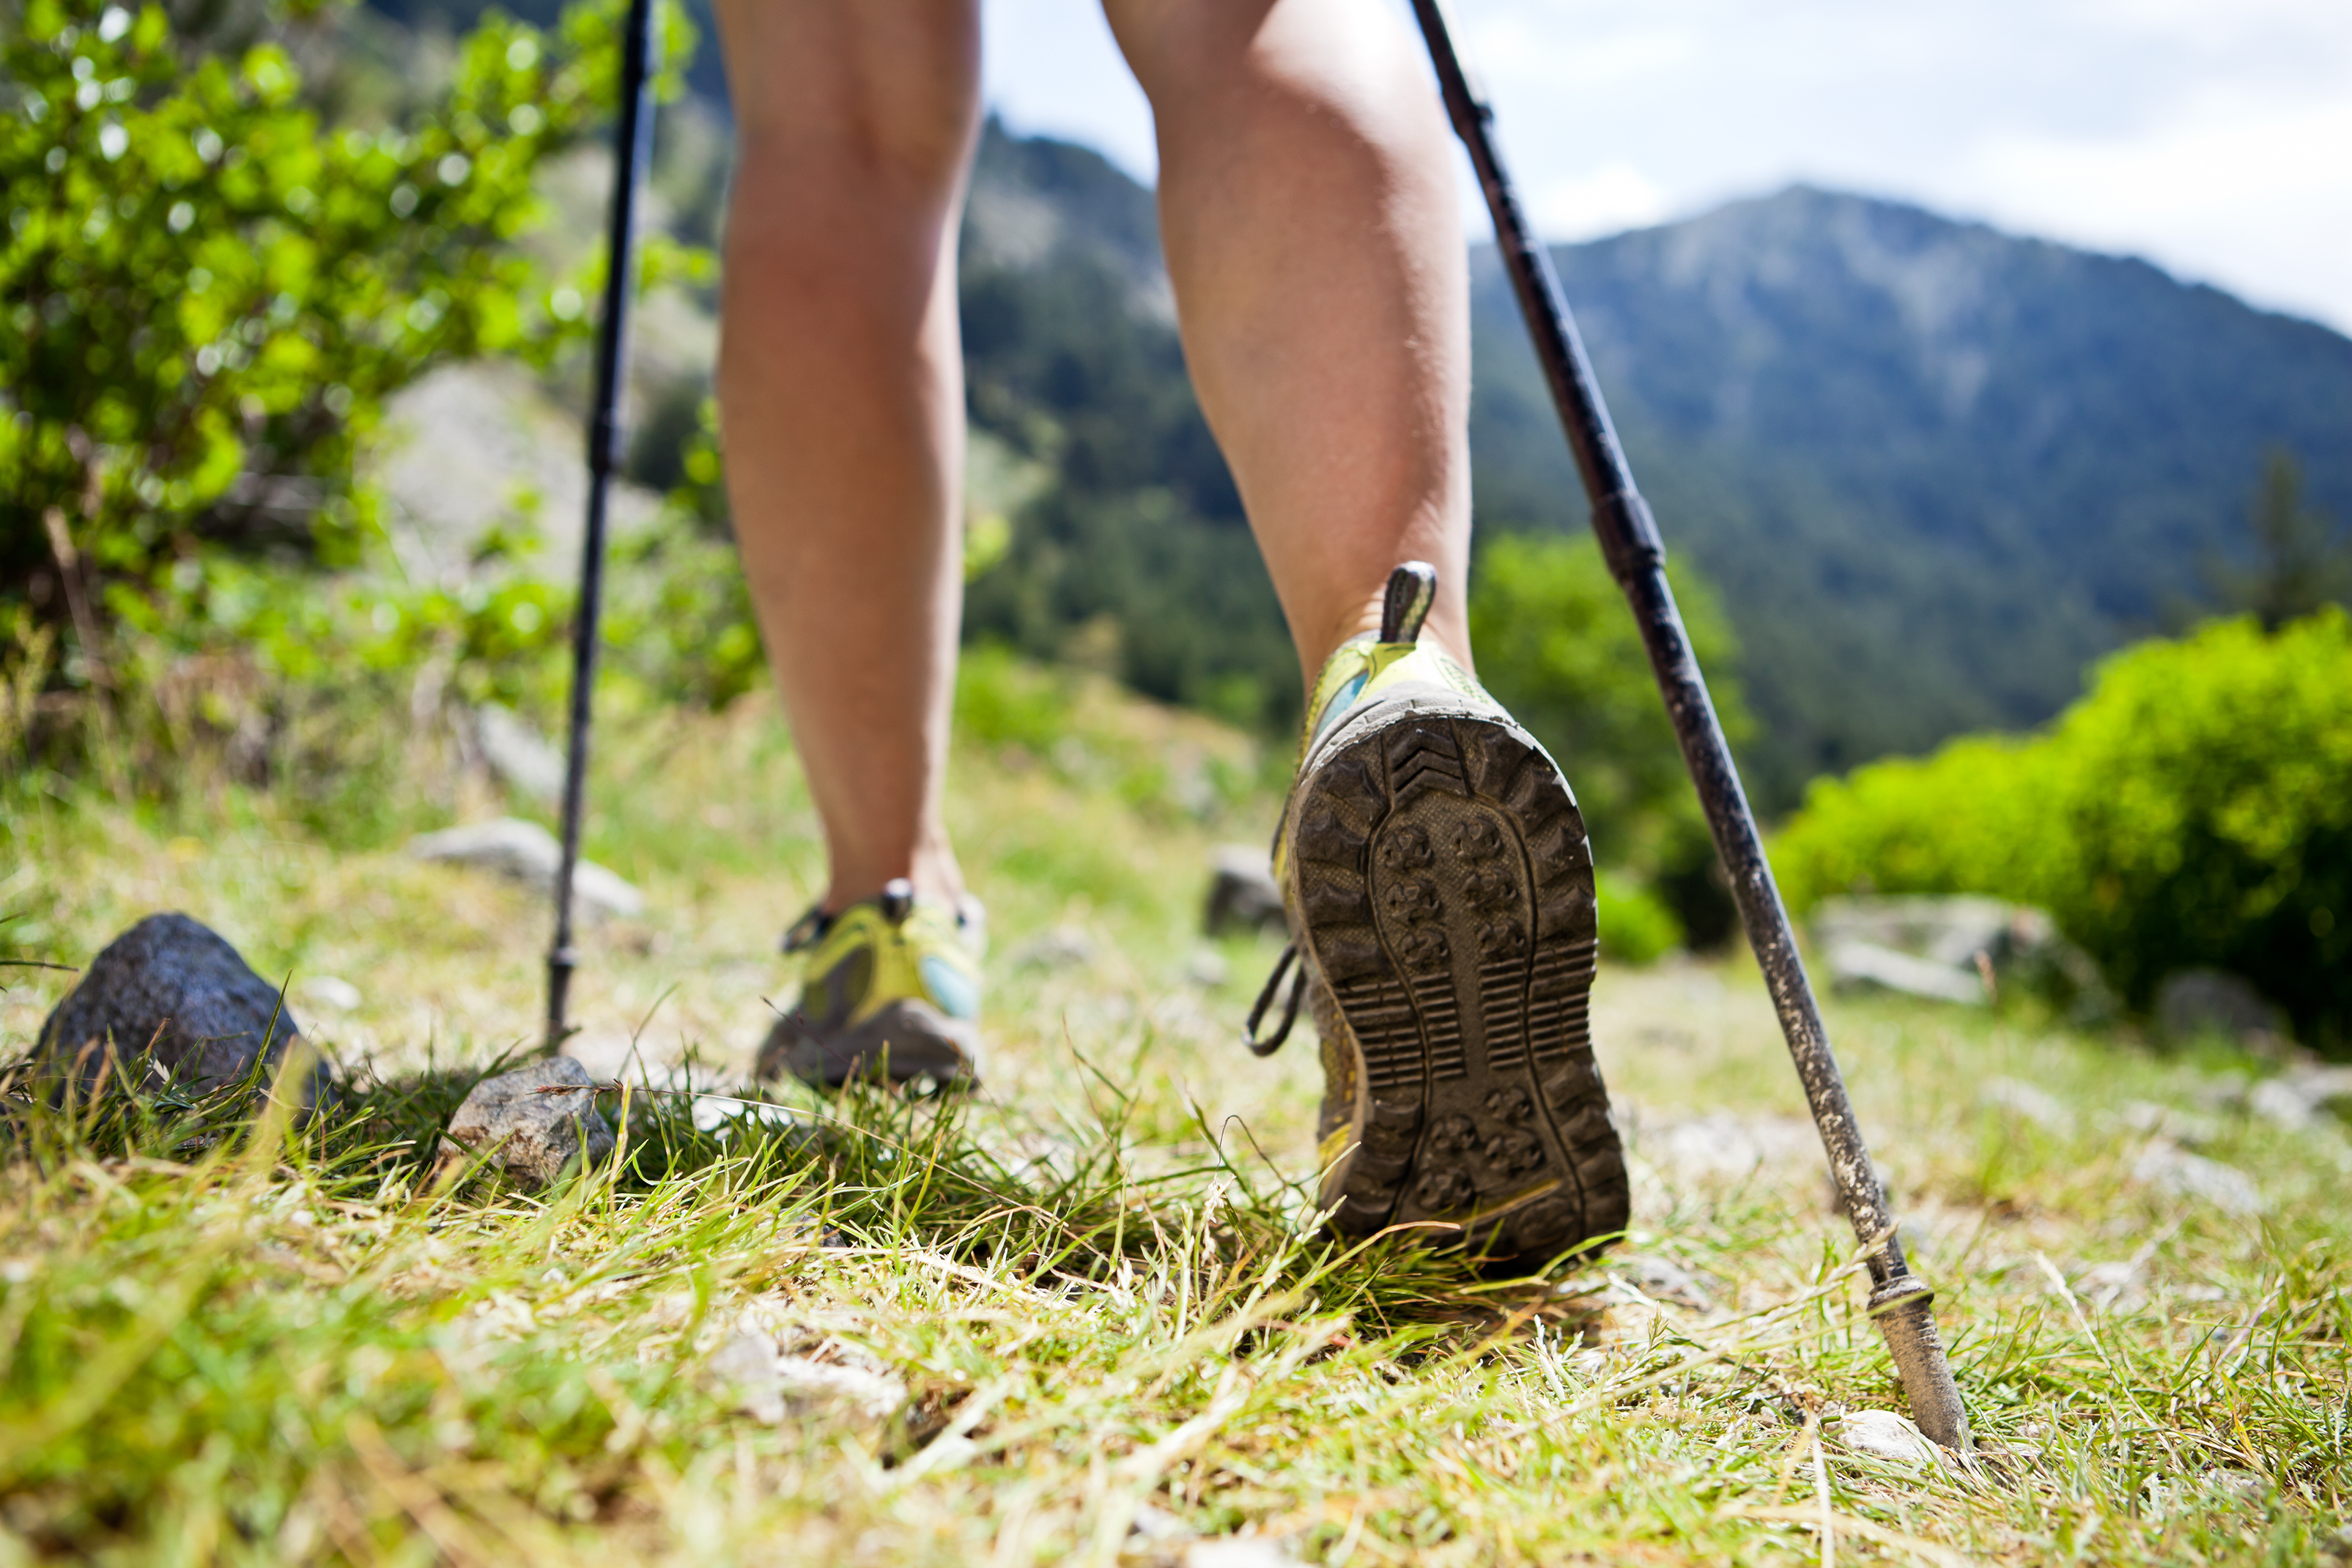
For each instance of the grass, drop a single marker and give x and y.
(1081, 1317)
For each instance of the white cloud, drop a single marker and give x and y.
(1605, 200)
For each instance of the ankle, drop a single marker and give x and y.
(933, 870)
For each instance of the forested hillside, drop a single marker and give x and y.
(1933, 468)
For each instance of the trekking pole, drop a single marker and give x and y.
(1629, 540)
(632, 150)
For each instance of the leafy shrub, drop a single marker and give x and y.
(1636, 926)
(1556, 646)
(1003, 699)
(2195, 808)
(208, 294)
(202, 282)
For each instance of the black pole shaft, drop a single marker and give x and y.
(1637, 558)
(633, 151)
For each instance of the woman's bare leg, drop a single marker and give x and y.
(841, 394)
(1307, 206)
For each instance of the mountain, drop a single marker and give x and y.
(1933, 468)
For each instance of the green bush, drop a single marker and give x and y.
(1557, 645)
(201, 281)
(2195, 808)
(1636, 926)
(207, 292)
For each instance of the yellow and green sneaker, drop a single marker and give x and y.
(1435, 868)
(889, 989)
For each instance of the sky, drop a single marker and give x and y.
(2213, 137)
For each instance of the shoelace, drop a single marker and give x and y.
(1283, 966)
(896, 898)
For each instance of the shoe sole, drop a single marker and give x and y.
(898, 1048)
(1445, 886)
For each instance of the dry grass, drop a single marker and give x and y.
(1080, 1317)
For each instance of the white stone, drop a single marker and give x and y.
(1860, 964)
(518, 754)
(2170, 1169)
(2278, 1099)
(768, 1385)
(2038, 1106)
(1237, 1551)
(527, 853)
(1884, 1434)
(327, 991)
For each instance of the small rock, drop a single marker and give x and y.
(767, 1386)
(2329, 1089)
(172, 994)
(518, 754)
(1237, 1551)
(1884, 1434)
(2169, 1168)
(2019, 942)
(2193, 1003)
(1157, 1524)
(1663, 1280)
(1243, 893)
(865, 1394)
(747, 1365)
(1724, 1144)
(1063, 947)
(2112, 1285)
(527, 853)
(1949, 931)
(533, 1137)
(2187, 1127)
(2302, 1095)
(2276, 1100)
(2038, 1106)
(1862, 965)
(340, 995)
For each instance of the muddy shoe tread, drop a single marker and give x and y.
(1446, 888)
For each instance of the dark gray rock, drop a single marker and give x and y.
(169, 996)
(2196, 1002)
(1242, 894)
(531, 1136)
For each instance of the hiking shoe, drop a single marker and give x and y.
(1434, 869)
(889, 988)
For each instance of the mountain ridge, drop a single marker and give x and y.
(1996, 456)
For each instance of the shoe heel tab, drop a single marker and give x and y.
(1412, 588)
(897, 899)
